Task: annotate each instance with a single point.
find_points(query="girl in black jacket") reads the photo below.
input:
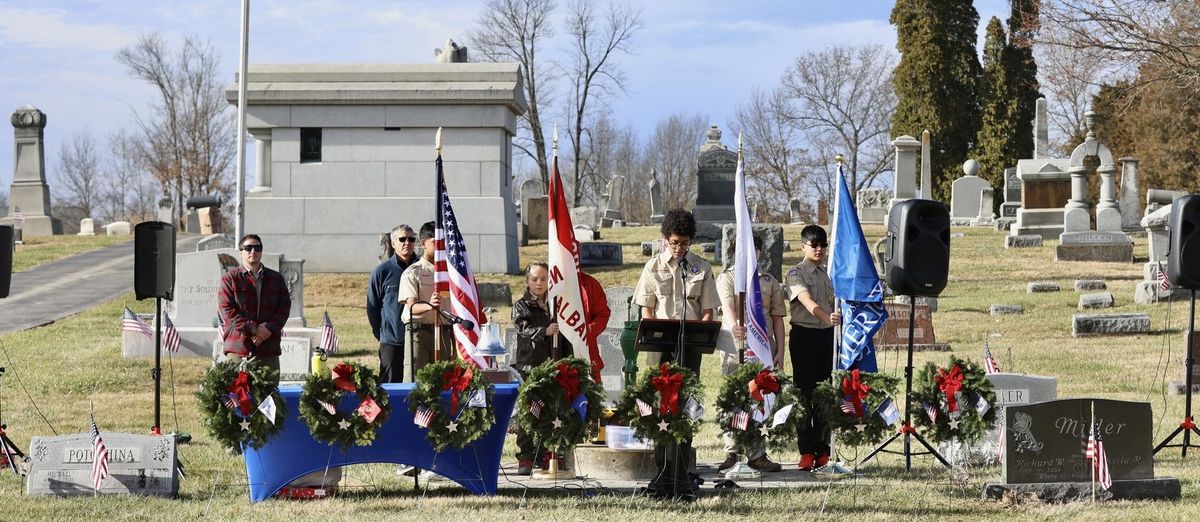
(532, 316)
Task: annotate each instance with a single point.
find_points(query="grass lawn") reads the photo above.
(66, 365)
(44, 249)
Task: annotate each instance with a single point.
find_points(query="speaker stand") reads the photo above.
(907, 429)
(156, 373)
(1186, 427)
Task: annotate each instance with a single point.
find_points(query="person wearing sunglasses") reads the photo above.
(420, 304)
(384, 308)
(255, 304)
(811, 343)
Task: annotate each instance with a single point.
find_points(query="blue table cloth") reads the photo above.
(293, 453)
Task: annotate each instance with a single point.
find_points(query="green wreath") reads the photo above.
(968, 382)
(230, 388)
(850, 428)
(323, 394)
(736, 397)
(443, 396)
(548, 400)
(676, 425)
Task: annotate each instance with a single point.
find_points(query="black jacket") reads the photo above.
(530, 320)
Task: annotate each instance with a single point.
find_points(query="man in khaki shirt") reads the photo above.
(663, 284)
(416, 292)
(774, 308)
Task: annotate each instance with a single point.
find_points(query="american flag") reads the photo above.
(453, 274)
(930, 410)
(130, 322)
(170, 335)
(18, 215)
(99, 457)
(989, 362)
(329, 337)
(1095, 451)
(423, 417)
(741, 420)
(643, 408)
(1163, 282)
(535, 408)
(848, 408)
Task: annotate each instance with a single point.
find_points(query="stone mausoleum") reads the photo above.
(346, 152)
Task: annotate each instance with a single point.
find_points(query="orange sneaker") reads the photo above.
(806, 461)
(822, 460)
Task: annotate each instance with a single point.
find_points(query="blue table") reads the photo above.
(293, 453)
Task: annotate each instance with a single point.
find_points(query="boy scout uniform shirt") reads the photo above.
(417, 282)
(772, 293)
(809, 277)
(659, 287)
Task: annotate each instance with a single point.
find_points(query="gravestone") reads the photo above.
(618, 305)
(118, 228)
(1006, 309)
(714, 180)
(166, 210)
(612, 376)
(494, 294)
(894, 334)
(612, 206)
(600, 254)
(986, 217)
(657, 210)
(1090, 285)
(292, 271)
(530, 188)
(771, 258)
(1128, 199)
(905, 186)
(965, 193)
(197, 281)
(1109, 324)
(1148, 290)
(137, 465)
(585, 233)
(822, 211)
(1078, 241)
(1038, 287)
(588, 215)
(795, 212)
(872, 205)
(29, 191)
(216, 241)
(1012, 389)
(926, 187)
(1012, 194)
(1113, 247)
(87, 227)
(654, 247)
(1044, 455)
(294, 358)
(537, 217)
(1023, 241)
(1096, 300)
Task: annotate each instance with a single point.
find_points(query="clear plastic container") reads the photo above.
(622, 438)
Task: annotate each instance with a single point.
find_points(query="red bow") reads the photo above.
(341, 378)
(763, 383)
(240, 388)
(668, 385)
(456, 380)
(950, 383)
(856, 391)
(568, 379)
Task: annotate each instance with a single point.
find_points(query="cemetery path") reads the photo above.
(49, 292)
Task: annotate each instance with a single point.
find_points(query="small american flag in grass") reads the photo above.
(990, 365)
(99, 457)
(535, 408)
(329, 337)
(171, 339)
(130, 322)
(423, 417)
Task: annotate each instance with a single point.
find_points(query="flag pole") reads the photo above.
(554, 314)
(739, 319)
(437, 311)
(837, 305)
(1095, 457)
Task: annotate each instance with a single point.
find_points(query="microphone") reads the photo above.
(454, 319)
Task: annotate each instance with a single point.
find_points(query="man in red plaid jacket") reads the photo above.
(255, 303)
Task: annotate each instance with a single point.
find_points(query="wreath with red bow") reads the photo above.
(345, 407)
(851, 405)
(454, 401)
(664, 405)
(229, 397)
(748, 403)
(559, 403)
(956, 402)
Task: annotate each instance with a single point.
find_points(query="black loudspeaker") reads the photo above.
(6, 255)
(154, 260)
(918, 248)
(1183, 256)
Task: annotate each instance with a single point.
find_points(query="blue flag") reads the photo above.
(856, 283)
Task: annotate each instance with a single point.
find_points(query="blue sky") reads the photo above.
(691, 56)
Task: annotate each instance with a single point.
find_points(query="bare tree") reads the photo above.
(1132, 32)
(594, 77)
(672, 151)
(80, 172)
(843, 96)
(771, 150)
(188, 141)
(513, 31)
(132, 192)
(1070, 76)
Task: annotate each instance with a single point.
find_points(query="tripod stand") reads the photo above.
(8, 450)
(1186, 427)
(907, 429)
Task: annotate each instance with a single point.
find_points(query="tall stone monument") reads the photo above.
(715, 184)
(1078, 241)
(657, 211)
(29, 192)
(1130, 210)
(905, 171)
(1044, 186)
(926, 188)
(612, 204)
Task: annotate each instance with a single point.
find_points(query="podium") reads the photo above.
(685, 342)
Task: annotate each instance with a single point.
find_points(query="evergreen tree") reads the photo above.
(1022, 73)
(937, 81)
(996, 143)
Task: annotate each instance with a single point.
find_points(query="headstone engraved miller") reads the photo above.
(1012, 389)
(1044, 451)
(137, 465)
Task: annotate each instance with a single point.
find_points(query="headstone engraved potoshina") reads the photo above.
(137, 465)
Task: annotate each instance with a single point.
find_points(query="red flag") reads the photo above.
(571, 310)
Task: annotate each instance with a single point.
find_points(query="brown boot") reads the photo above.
(730, 460)
(764, 464)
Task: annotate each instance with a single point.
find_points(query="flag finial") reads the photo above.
(555, 139)
(840, 159)
(739, 144)
(437, 141)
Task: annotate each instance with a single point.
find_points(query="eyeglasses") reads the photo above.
(252, 248)
(408, 239)
(818, 245)
(679, 244)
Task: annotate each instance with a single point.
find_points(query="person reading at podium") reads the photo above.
(533, 318)
(774, 308)
(811, 342)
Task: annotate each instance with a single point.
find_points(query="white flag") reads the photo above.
(478, 400)
(565, 293)
(745, 276)
(781, 416)
(267, 407)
